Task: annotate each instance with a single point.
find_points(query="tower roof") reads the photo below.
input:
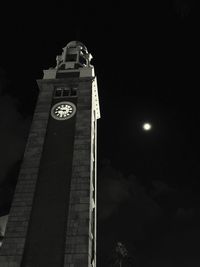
(74, 58)
(76, 44)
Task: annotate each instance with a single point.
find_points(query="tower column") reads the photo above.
(52, 221)
(78, 238)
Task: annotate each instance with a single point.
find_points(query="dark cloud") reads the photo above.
(116, 190)
(3, 80)
(13, 133)
(161, 188)
(187, 215)
(178, 247)
(157, 219)
(183, 8)
(125, 211)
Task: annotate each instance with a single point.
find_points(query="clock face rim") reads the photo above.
(63, 103)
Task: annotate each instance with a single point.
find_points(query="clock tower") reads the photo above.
(52, 221)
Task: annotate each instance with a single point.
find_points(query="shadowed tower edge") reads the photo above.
(52, 220)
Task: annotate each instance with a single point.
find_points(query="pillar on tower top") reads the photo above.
(75, 60)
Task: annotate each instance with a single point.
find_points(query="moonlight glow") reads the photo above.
(147, 126)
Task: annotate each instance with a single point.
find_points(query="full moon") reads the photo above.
(147, 126)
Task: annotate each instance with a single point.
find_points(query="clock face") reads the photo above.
(63, 110)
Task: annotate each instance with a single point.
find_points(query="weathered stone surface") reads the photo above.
(10, 261)
(78, 260)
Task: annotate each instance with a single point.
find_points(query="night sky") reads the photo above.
(146, 58)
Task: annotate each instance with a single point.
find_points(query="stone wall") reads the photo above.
(79, 236)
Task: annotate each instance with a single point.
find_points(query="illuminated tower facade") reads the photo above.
(52, 221)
